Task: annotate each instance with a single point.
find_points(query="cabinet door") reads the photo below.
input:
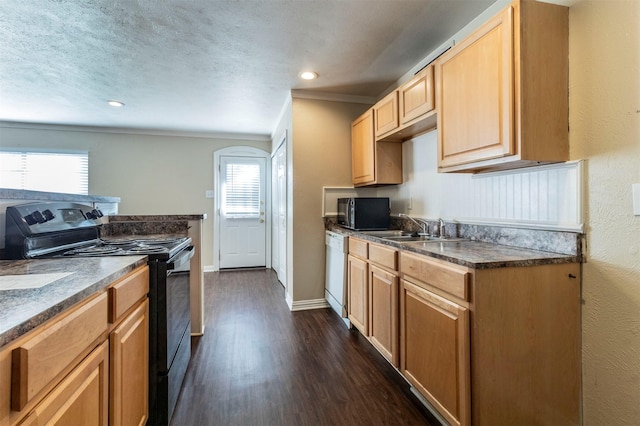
(476, 95)
(130, 369)
(363, 149)
(81, 398)
(383, 328)
(386, 114)
(435, 351)
(417, 96)
(358, 296)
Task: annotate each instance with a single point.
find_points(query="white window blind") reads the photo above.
(45, 171)
(242, 190)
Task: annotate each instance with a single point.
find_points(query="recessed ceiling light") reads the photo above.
(115, 103)
(308, 75)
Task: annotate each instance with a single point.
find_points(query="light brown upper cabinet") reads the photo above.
(407, 111)
(417, 96)
(373, 163)
(502, 92)
(386, 114)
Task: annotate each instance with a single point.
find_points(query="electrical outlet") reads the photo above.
(208, 193)
(410, 203)
(635, 188)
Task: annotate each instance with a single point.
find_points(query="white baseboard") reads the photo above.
(303, 305)
(208, 268)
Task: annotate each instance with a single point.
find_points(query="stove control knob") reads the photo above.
(94, 214)
(48, 215)
(30, 219)
(38, 217)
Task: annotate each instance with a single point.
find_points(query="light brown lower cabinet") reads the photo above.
(86, 366)
(384, 312)
(129, 376)
(498, 346)
(435, 350)
(358, 293)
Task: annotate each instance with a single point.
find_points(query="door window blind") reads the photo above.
(242, 190)
(45, 171)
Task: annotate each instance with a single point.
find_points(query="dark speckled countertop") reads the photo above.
(22, 310)
(472, 253)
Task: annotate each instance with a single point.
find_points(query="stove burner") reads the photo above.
(154, 241)
(143, 241)
(94, 251)
(143, 248)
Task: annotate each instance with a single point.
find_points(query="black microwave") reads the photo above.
(364, 213)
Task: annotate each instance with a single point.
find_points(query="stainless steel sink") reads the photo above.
(431, 240)
(408, 237)
(400, 236)
(387, 233)
(421, 238)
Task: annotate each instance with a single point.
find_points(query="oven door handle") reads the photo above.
(176, 264)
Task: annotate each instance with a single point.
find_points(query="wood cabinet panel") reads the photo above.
(383, 304)
(129, 376)
(435, 351)
(40, 359)
(386, 114)
(358, 248)
(445, 276)
(384, 256)
(358, 293)
(373, 163)
(417, 96)
(491, 100)
(124, 294)
(527, 330)
(363, 149)
(81, 398)
(476, 100)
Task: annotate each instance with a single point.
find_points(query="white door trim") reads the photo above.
(239, 151)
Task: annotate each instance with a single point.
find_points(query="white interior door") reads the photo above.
(242, 212)
(279, 216)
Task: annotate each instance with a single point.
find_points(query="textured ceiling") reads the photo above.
(215, 66)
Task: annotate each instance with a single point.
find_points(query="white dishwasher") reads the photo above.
(335, 284)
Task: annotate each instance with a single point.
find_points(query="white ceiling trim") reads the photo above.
(334, 97)
(133, 131)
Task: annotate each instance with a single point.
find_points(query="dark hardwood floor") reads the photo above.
(260, 364)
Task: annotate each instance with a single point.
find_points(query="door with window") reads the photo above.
(242, 212)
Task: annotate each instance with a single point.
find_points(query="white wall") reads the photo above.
(152, 174)
(604, 92)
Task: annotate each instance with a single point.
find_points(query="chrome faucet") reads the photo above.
(422, 223)
(441, 229)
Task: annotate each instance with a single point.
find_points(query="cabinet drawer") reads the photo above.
(127, 292)
(442, 275)
(358, 248)
(383, 256)
(40, 359)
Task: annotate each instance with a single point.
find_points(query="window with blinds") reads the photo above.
(241, 190)
(66, 172)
